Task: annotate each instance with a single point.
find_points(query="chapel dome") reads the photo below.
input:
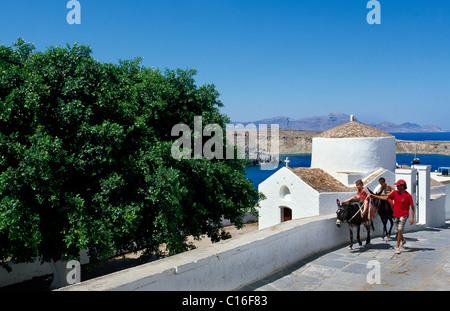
(353, 148)
(353, 129)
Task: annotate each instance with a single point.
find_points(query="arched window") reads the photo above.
(285, 193)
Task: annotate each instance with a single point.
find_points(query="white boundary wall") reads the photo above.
(26, 271)
(232, 263)
(445, 188)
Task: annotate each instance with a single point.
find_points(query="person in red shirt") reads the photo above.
(402, 202)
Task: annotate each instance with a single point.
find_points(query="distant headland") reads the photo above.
(323, 123)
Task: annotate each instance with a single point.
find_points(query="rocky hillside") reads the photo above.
(406, 128)
(423, 147)
(296, 142)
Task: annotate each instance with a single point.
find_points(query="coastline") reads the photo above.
(423, 147)
(300, 142)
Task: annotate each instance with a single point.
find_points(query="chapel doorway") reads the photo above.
(286, 214)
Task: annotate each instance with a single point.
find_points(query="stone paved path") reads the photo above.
(424, 264)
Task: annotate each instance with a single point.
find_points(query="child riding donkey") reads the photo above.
(352, 213)
(362, 197)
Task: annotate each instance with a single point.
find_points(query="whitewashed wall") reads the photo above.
(445, 188)
(26, 271)
(232, 263)
(302, 200)
(436, 211)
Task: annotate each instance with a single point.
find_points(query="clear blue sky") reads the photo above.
(270, 58)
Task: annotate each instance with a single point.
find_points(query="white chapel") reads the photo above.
(340, 156)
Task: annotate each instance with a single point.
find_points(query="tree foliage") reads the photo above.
(85, 158)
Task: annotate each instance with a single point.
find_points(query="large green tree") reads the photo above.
(85, 158)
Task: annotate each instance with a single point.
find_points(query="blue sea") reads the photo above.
(256, 175)
(441, 136)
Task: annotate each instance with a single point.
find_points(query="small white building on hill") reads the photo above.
(340, 156)
(353, 151)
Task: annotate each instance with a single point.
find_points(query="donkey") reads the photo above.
(351, 213)
(385, 211)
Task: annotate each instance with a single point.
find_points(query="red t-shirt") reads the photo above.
(402, 202)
